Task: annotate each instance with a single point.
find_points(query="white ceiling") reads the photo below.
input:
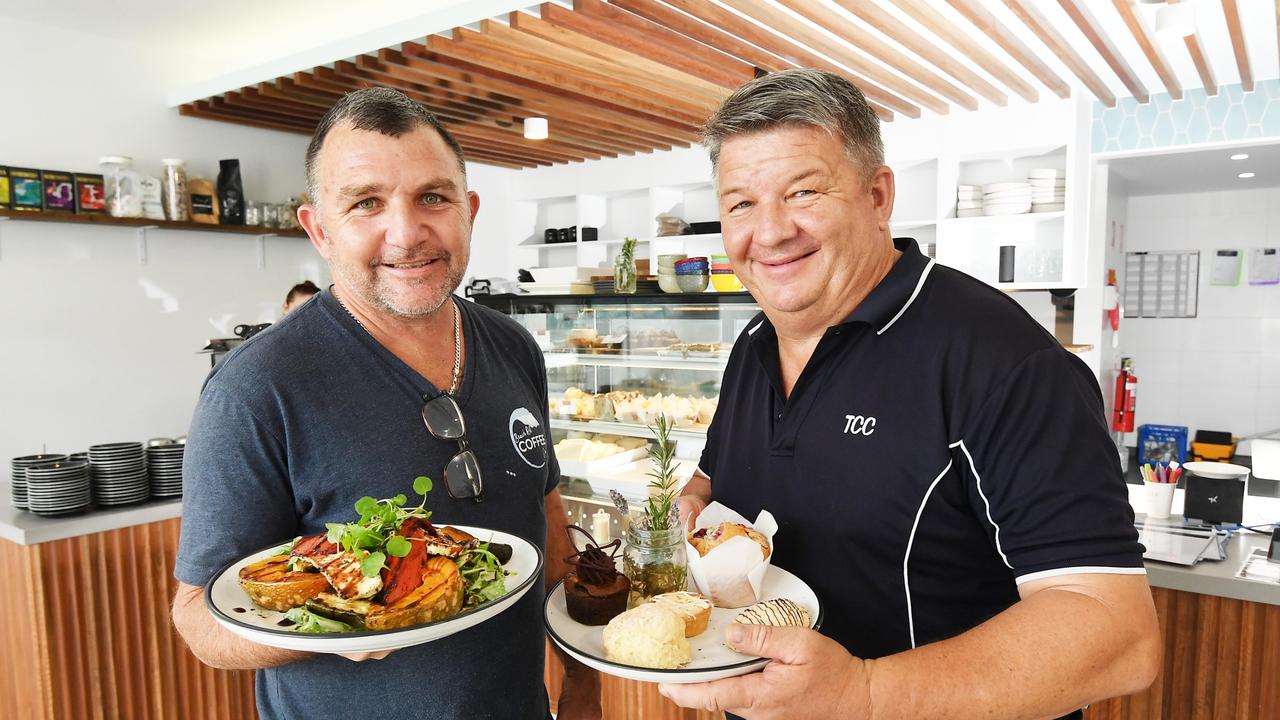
(1199, 170)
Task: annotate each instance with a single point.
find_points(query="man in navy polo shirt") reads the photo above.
(938, 465)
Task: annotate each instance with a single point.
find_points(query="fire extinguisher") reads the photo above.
(1126, 398)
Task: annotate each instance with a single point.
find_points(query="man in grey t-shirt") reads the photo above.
(326, 407)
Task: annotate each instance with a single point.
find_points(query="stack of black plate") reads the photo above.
(58, 488)
(119, 473)
(164, 465)
(643, 285)
(18, 475)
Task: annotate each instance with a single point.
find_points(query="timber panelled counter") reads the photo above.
(86, 633)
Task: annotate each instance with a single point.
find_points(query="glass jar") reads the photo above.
(174, 190)
(654, 561)
(124, 198)
(624, 275)
(269, 216)
(252, 213)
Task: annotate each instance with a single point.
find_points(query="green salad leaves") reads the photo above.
(305, 621)
(373, 537)
(482, 576)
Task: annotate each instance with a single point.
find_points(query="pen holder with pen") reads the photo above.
(1159, 498)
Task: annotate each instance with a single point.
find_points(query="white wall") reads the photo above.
(94, 346)
(1221, 369)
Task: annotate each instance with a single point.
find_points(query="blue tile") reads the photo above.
(1144, 142)
(1112, 145)
(1254, 104)
(1217, 135)
(1217, 106)
(1098, 109)
(1271, 120)
(1099, 137)
(1128, 105)
(1181, 138)
(1111, 122)
(1146, 118)
(1180, 113)
(1198, 128)
(1253, 131)
(1234, 124)
(1128, 136)
(1195, 96)
(1162, 101)
(1234, 93)
(1162, 134)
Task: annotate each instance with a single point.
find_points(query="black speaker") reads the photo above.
(1214, 500)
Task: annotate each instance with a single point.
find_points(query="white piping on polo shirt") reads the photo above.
(978, 486)
(906, 582)
(753, 330)
(1082, 570)
(924, 274)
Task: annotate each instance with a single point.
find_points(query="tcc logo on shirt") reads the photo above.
(859, 425)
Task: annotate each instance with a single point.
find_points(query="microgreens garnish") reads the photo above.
(373, 537)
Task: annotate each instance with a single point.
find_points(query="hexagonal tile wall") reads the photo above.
(1232, 114)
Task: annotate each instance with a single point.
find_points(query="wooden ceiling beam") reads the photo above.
(220, 106)
(490, 158)
(250, 97)
(895, 29)
(474, 127)
(1232, 10)
(828, 19)
(1198, 59)
(582, 51)
(635, 34)
(842, 54)
(482, 54)
(981, 18)
(538, 98)
(935, 23)
(277, 89)
(884, 101)
(201, 109)
(673, 19)
(1058, 45)
(1088, 25)
(1158, 63)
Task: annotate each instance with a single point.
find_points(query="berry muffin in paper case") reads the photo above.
(728, 564)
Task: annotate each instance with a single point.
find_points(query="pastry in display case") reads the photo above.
(615, 363)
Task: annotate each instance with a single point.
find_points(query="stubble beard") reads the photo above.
(380, 294)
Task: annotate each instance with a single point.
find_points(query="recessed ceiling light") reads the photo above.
(1245, 176)
(535, 128)
(1240, 156)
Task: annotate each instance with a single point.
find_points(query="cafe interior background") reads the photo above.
(1160, 245)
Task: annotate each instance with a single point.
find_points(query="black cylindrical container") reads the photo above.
(1006, 263)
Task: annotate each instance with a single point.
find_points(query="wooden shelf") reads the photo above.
(145, 222)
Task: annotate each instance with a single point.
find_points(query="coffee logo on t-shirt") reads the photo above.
(528, 438)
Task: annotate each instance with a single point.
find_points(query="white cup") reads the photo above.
(1159, 498)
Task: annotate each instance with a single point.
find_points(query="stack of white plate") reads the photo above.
(968, 201)
(1048, 189)
(119, 473)
(164, 466)
(1006, 198)
(58, 488)
(18, 475)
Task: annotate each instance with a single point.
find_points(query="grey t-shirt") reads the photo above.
(308, 416)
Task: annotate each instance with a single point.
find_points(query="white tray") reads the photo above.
(574, 468)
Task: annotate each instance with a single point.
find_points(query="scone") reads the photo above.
(692, 608)
(779, 612)
(647, 635)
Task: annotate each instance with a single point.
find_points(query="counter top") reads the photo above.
(24, 528)
(1218, 577)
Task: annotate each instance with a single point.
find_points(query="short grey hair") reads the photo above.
(800, 97)
(376, 109)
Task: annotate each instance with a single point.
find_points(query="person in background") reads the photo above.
(328, 405)
(938, 464)
(299, 294)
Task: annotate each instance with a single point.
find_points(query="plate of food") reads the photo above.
(389, 580)
(675, 637)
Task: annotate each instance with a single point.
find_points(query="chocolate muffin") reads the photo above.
(595, 592)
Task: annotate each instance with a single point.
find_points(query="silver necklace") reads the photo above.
(457, 337)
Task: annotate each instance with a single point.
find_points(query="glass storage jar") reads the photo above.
(624, 275)
(124, 197)
(654, 561)
(174, 189)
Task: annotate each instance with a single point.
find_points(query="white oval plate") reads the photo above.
(232, 608)
(1218, 470)
(712, 659)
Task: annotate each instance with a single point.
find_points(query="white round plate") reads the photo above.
(1221, 471)
(235, 611)
(712, 659)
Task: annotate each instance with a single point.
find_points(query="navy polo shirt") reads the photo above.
(939, 448)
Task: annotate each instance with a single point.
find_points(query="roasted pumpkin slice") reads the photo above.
(438, 597)
(270, 583)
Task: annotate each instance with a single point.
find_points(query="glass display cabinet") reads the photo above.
(614, 362)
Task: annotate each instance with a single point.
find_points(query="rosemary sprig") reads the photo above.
(658, 513)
